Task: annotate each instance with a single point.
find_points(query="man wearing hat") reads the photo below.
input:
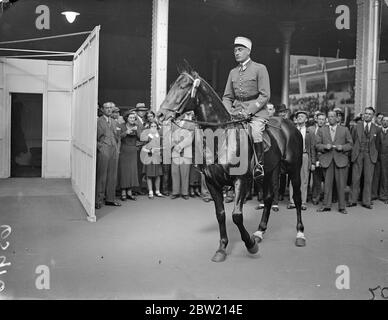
(282, 111)
(106, 174)
(340, 115)
(317, 174)
(308, 160)
(141, 111)
(246, 94)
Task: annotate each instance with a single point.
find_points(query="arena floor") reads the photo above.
(161, 249)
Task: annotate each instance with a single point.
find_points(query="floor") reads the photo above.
(161, 249)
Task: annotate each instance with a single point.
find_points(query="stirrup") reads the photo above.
(258, 172)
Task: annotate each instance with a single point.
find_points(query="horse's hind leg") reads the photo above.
(297, 197)
(268, 195)
(241, 186)
(218, 198)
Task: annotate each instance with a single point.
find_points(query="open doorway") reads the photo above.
(26, 134)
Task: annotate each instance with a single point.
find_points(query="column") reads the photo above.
(286, 28)
(367, 54)
(159, 52)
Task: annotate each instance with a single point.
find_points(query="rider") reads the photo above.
(247, 92)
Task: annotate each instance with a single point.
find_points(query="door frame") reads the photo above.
(9, 129)
(8, 104)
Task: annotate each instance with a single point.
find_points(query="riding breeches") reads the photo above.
(257, 126)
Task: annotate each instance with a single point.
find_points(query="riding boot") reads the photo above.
(258, 170)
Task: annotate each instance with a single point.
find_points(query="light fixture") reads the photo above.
(70, 15)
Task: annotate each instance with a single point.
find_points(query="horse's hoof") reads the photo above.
(219, 256)
(258, 236)
(255, 247)
(300, 242)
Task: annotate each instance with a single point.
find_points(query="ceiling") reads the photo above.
(196, 29)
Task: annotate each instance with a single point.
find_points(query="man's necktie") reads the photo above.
(332, 133)
(366, 129)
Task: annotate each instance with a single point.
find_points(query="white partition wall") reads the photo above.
(52, 79)
(3, 129)
(84, 122)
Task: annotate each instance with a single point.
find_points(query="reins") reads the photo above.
(196, 83)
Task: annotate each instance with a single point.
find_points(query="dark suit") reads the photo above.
(106, 175)
(318, 175)
(383, 155)
(334, 162)
(309, 158)
(364, 158)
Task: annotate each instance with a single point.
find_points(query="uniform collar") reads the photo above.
(244, 65)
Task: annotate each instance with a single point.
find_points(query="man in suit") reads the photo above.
(282, 112)
(366, 139)
(182, 154)
(247, 92)
(317, 174)
(383, 154)
(141, 110)
(333, 142)
(106, 175)
(308, 162)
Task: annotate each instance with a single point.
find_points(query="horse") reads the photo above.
(190, 92)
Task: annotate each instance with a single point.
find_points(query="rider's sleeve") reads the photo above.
(264, 89)
(228, 97)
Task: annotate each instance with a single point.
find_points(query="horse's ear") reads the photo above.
(180, 68)
(187, 66)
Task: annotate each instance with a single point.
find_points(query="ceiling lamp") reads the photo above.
(70, 15)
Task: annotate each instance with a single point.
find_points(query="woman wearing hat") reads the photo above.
(128, 171)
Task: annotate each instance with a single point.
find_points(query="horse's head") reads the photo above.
(180, 97)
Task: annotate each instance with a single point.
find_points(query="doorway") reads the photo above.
(26, 134)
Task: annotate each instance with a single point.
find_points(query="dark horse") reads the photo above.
(192, 93)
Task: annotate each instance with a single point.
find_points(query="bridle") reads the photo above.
(192, 93)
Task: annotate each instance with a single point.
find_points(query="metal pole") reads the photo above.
(375, 52)
(287, 28)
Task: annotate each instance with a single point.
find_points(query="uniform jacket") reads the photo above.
(374, 141)
(342, 137)
(241, 84)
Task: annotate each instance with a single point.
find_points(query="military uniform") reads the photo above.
(247, 91)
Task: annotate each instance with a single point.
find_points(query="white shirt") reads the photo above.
(367, 124)
(333, 130)
(385, 130)
(107, 119)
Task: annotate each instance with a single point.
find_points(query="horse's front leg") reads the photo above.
(218, 198)
(297, 197)
(241, 189)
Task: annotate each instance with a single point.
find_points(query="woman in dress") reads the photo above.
(128, 174)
